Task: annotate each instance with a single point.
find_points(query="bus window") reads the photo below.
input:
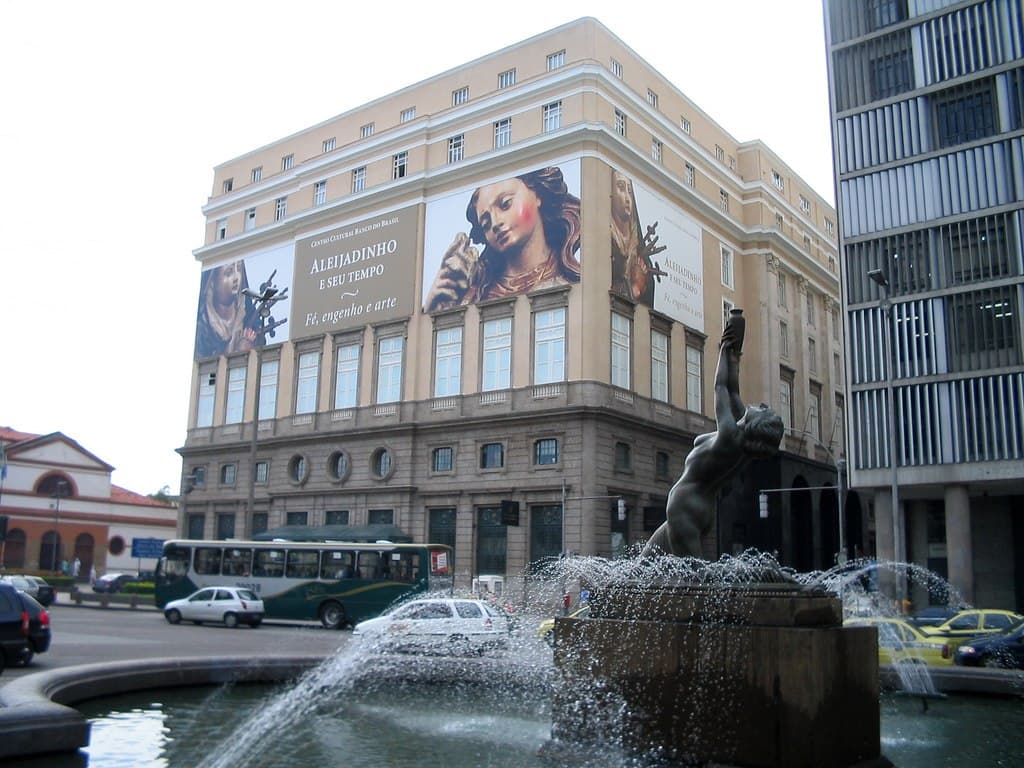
(405, 566)
(174, 564)
(301, 564)
(207, 560)
(337, 565)
(268, 562)
(369, 565)
(237, 562)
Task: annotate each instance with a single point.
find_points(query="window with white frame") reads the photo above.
(268, 389)
(732, 163)
(236, 395)
(556, 60)
(320, 193)
(330, 144)
(346, 376)
(814, 412)
(287, 162)
(805, 204)
(399, 165)
(620, 122)
(723, 200)
(652, 98)
(442, 459)
(659, 365)
(786, 399)
(777, 181)
(690, 175)
(549, 346)
(306, 383)
(727, 308)
(448, 362)
(250, 219)
(497, 362)
(616, 68)
(552, 116)
(207, 391)
(460, 96)
(684, 124)
(719, 154)
(456, 147)
(227, 186)
(256, 174)
(812, 355)
(783, 338)
(778, 220)
(507, 78)
(365, 131)
(280, 208)
(835, 323)
(503, 133)
(492, 455)
(359, 179)
(227, 474)
(262, 472)
(622, 331)
(656, 150)
(727, 271)
(389, 369)
(222, 228)
(408, 115)
(832, 264)
(694, 379)
(830, 227)
(545, 451)
(782, 289)
(807, 243)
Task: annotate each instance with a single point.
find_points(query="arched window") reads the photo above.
(14, 550)
(50, 552)
(84, 546)
(56, 484)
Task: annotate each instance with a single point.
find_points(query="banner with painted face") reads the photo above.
(656, 253)
(502, 238)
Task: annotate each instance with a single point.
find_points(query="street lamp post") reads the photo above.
(58, 492)
(885, 304)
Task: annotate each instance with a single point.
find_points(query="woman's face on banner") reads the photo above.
(622, 197)
(228, 282)
(508, 213)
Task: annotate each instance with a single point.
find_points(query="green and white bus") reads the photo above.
(334, 582)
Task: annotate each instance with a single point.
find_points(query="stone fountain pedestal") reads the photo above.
(758, 675)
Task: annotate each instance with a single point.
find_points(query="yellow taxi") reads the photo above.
(900, 642)
(972, 623)
(546, 629)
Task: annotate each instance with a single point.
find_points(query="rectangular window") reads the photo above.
(727, 267)
(616, 68)
(296, 518)
(222, 228)
(659, 366)
(308, 378)
(389, 369)
(694, 379)
(814, 413)
(965, 113)
(782, 289)
(257, 174)
(225, 526)
(656, 150)
(719, 154)
(778, 220)
(507, 78)
(442, 459)
(448, 362)
(835, 323)
(329, 144)
(456, 147)
(830, 227)
(287, 162)
(684, 124)
(399, 165)
(812, 356)
(723, 200)
(623, 457)
(262, 472)
(268, 389)
(556, 60)
(460, 96)
(346, 377)
(805, 204)
(503, 133)
(690, 175)
(620, 123)
(552, 120)
(207, 390)
(786, 400)
(336, 517)
(837, 369)
(777, 181)
(280, 208)
(549, 346)
(250, 219)
(228, 185)
(497, 373)
(320, 193)
(545, 451)
(492, 456)
(622, 331)
(783, 338)
(807, 243)
(227, 474)
(236, 395)
(359, 179)
(408, 115)
(811, 314)
(652, 98)
(366, 131)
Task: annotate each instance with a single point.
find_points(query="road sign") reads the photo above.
(147, 547)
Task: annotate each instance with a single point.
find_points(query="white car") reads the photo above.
(454, 625)
(231, 605)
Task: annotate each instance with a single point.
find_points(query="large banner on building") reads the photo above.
(355, 275)
(227, 320)
(502, 238)
(656, 253)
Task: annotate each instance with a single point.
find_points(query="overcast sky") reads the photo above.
(115, 114)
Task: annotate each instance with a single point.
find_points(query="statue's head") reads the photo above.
(762, 430)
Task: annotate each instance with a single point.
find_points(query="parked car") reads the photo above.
(24, 626)
(230, 605)
(36, 586)
(112, 582)
(546, 629)
(933, 615)
(1001, 649)
(450, 624)
(972, 623)
(900, 642)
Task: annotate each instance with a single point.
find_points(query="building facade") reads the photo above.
(503, 292)
(927, 98)
(59, 505)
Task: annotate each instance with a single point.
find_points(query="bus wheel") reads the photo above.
(332, 615)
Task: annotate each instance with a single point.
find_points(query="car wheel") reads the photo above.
(173, 616)
(255, 623)
(27, 656)
(332, 615)
(458, 645)
(230, 620)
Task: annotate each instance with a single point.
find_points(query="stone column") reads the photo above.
(959, 547)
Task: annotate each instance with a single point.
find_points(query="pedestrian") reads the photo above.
(92, 575)
(566, 603)
(64, 567)
(76, 567)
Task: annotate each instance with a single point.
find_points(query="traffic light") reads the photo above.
(763, 502)
(622, 509)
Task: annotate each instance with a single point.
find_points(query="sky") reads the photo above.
(115, 114)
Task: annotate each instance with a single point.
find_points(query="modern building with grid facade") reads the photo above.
(927, 98)
(506, 284)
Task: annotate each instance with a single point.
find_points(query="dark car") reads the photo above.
(112, 582)
(38, 627)
(24, 627)
(933, 616)
(1003, 649)
(35, 586)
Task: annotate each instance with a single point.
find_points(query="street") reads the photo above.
(90, 634)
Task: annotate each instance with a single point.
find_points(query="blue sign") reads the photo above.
(147, 547)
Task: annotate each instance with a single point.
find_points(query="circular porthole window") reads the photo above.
(116, 545)
(298, 469)
(381, 463)
(338, 466)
